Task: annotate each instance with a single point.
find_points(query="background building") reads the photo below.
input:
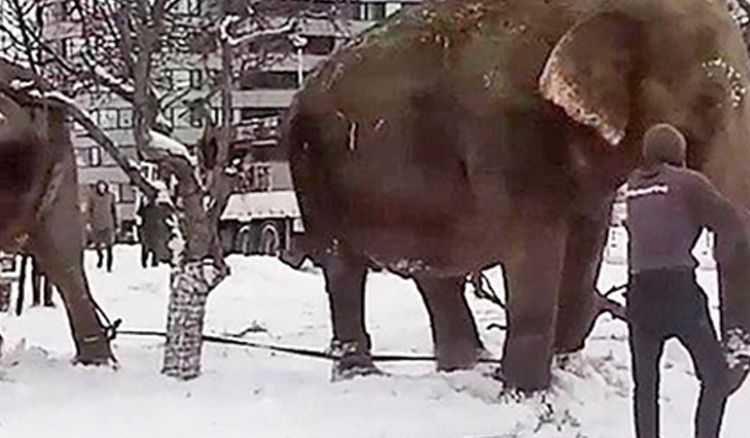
(260, 98)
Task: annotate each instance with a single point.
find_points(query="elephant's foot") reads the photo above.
(526, 362)
(457, 344)
(95, 351)
(574, 327)
(459, 356)
(572, 337)
(454, 332)
(351, 359)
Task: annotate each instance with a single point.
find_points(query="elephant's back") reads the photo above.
(485, 52)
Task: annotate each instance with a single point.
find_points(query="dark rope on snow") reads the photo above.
(615, 289)
(295, 351)
(496, 326)
(483, 289)
(478, 280)
(110, 328)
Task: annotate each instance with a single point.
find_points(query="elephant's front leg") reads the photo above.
(345, 283)
(533, 270)
(454, 332)
(577, 308)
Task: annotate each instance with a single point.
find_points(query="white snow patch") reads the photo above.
(255, 393)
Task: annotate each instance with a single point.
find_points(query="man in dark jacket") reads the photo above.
(668, 207)
(102, 220)
(153, 233)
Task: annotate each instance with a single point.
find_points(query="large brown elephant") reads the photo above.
(39, 207)
(457, 135)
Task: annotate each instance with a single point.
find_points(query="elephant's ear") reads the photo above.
(588, 74)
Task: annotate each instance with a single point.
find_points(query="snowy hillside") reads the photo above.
(251, 393)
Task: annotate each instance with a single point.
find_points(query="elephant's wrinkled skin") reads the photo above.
(457, 135)
(39, 210)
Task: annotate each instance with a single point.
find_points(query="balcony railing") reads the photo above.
(260, 131)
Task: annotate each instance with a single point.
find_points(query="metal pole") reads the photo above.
(300, 67)
(299, 43)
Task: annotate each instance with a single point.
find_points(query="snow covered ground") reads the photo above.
(251, 393)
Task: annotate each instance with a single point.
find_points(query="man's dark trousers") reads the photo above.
(669, 303)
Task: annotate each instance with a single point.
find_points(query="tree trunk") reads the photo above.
(190, 286)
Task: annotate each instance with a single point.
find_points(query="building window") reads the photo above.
(319, 45)
(108, 118)
(250, 113)
(82, 157)
(270, 80)
(70, 47)
(96, 156)
(64, 47)
(88, 156)
(190, 7)
(180, 78)
(255, 177)
(113, 118)
(371, 11)
(216, 115)
(196, 79)
(125, 118)
(127, 193)
(262, 177)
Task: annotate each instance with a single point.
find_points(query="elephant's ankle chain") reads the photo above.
(339, 349)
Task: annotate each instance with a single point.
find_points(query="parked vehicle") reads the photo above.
(260, 222)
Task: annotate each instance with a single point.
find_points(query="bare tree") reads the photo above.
(125, 47)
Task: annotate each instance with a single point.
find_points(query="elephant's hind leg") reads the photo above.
(454, 332)
(58, 246)
(533, 270)
(345, 283)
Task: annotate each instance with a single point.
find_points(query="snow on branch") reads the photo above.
(163, 145)
(225, 36)
(112, 81)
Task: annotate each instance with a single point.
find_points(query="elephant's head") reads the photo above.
(631, 64)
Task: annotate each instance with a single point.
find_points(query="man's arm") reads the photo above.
(731, 253)
(714, 211)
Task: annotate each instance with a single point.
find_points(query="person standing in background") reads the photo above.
(153, 233)
(102, 220)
